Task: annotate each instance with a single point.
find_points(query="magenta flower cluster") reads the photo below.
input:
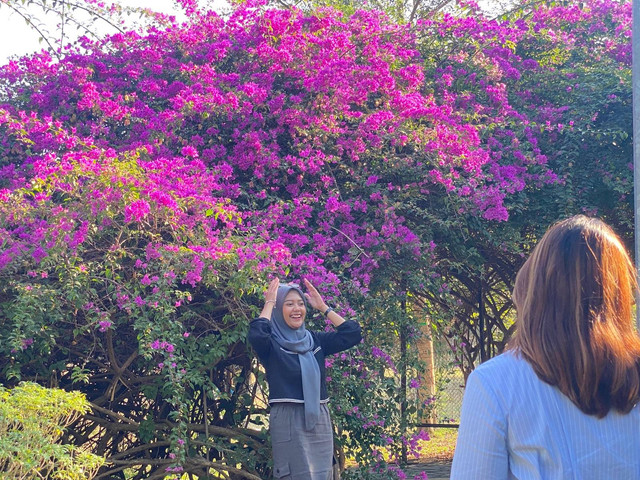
(275, 106)
(309, 99)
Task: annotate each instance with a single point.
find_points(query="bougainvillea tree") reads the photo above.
(566, 76)
(150, 183)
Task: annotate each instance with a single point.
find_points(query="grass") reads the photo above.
(441, 446)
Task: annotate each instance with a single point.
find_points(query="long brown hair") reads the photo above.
(574, 299)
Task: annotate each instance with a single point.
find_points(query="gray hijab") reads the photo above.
(301, 342)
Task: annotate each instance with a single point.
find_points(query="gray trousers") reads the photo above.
(299, 454)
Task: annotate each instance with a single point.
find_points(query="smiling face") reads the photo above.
(293, 310)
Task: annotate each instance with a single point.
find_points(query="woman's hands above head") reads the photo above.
(314, 298)
(270, 298)
(272, 290)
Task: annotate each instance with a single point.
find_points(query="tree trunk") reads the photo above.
(427, 390)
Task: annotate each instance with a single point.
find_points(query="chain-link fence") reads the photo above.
(449, 387)
(441, 385)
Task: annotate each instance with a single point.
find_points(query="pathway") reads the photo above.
(435, 470)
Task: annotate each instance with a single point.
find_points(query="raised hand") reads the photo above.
(313, 297)
(270, 298)
(272, 290)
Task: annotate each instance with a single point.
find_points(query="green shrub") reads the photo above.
(32, 420)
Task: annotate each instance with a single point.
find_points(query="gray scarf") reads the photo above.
(301, 342)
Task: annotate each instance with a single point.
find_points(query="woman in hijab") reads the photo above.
(562, 402)
(293, 357)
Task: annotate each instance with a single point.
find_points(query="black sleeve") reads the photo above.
(260, 337)
(346, 336)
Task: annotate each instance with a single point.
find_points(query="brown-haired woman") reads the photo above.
(562, 402)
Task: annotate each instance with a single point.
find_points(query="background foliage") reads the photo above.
(32, 421)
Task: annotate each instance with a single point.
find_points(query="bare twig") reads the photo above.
(32, 25)
(113, 414)
(352, 241)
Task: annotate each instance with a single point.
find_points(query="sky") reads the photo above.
(17, 38)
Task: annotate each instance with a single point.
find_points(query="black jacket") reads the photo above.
(283, 366)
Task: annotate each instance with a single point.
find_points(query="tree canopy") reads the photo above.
(151, 182)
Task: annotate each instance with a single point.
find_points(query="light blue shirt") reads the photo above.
(515, 426)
